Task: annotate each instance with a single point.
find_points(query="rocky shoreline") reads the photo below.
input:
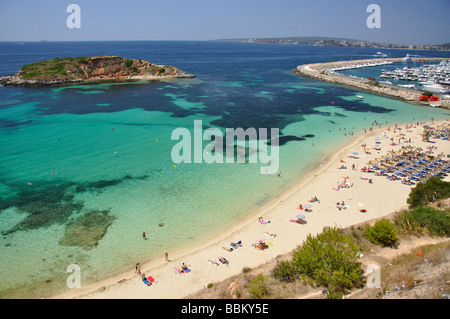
(318, 71)
(14, 80)
(63, 71)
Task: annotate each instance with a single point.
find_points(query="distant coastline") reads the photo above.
(318, 71)
(339, 42)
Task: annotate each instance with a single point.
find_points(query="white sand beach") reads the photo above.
(379, 198)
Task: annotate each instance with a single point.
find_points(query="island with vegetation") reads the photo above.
(67, 70)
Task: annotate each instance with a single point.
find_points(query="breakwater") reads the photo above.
(323, 72)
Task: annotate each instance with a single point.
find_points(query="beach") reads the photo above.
(365, 196)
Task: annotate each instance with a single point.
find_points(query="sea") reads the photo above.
(85, 169)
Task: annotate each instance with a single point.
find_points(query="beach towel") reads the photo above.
(146, 281)
(152, 280)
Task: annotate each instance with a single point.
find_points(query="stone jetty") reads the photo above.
(321, 71)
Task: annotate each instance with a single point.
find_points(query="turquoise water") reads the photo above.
(68, 151)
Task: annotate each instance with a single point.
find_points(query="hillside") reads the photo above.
(339, 42)
(95, 68)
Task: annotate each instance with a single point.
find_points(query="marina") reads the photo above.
(429, 77)
(432, 75)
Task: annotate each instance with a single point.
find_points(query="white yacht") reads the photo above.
(435, 88)
(381, 55)
(408, 86)
(407, 58)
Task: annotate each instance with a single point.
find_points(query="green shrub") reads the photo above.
(258, 288)
(79, 69)
(285, 271)
(330, 260)
(383, 233)
(436, 222)
(161, 70)
(128, 63)
(83, 60)
(31, 74)
(246, 270)
(434, 189)
(334, 295)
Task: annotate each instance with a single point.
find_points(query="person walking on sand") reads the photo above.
(166, 254)
(138, 269)
(144, 236)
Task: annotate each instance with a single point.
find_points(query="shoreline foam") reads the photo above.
(319, 182)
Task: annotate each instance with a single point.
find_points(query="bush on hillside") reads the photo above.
(434, 221)
(258, 287)
(434, 189)
(383, 233)
(329, 259)
(285, 271)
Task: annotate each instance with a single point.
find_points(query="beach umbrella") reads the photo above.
(361, 204)
(300, 216)
(260, 239)
(307, 206)
(354, 153)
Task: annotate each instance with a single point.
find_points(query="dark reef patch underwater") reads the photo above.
(49, 204)
(87, 229)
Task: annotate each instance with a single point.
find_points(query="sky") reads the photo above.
(401, 21)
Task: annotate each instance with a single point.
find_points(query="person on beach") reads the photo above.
(270, 235)
(166, 255)
(144, 236)
(138, 269)
(213, 262)
(314, 199)
(223, 260)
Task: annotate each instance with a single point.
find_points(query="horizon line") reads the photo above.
(229, 39)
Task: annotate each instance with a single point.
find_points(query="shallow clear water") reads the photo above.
(67, 151)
